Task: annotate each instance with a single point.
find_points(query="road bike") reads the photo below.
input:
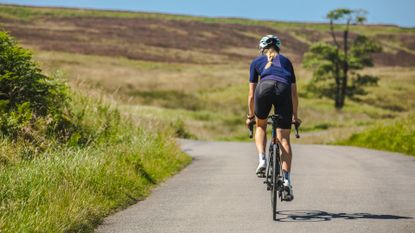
(273, 173)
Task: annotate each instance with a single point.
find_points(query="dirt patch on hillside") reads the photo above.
(145, 39)
(170, 40)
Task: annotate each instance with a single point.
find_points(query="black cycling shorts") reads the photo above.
(270, 92)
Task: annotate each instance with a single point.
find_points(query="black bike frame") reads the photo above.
(273, 179)
(274, 153)
(275, 164)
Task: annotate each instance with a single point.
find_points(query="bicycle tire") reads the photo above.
(274, 181)
(268, 171)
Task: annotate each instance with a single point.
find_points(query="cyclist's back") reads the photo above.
(280, 70)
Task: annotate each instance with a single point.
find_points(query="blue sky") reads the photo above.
(399, 12)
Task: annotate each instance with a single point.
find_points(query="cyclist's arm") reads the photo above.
(252, 87)
(253, 80)
(294, 94)
(294, 97)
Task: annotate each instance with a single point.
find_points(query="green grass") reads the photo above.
(398, 136)
(68, 188)
(211, 100)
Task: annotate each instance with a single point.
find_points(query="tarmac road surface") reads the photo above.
(336, 189)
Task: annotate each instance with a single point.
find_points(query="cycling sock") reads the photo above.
(287, 176)
(261, 156)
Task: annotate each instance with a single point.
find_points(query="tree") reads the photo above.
(335, 64)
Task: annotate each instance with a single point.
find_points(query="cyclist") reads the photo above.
(277, 86)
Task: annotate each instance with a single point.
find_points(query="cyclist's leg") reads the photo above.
(284, 108)
(260, 141)
(260, 135)
(262, 102)
(283, 136)
(286, 156)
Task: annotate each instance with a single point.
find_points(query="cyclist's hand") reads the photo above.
(296, 120)
(249, 122)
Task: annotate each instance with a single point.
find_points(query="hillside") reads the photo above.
(169, 38)
(191, 72)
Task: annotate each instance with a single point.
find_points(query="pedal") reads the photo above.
(286, 196)
(260, 174)
(268, 185)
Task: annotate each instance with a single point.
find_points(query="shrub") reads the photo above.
(21, 82)
(398, 136)
(30, 101)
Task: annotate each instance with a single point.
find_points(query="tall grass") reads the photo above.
(69, 188)
(398, 135)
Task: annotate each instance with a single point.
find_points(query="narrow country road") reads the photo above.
(337, 189)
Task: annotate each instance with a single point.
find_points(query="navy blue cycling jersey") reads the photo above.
(281, 70)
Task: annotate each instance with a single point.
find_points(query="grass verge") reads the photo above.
(397, 136)
(67, 188)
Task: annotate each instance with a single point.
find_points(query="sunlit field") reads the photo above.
(210, 100)
(197, 79)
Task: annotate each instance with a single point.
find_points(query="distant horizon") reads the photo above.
(143, 9)
(192, 15)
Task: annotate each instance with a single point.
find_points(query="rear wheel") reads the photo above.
(274, 181)
(268, 172)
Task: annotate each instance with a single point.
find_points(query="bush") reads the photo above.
(21, 82)
(398, 136)
(29, 100)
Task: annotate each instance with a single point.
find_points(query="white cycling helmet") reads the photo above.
(269, 40)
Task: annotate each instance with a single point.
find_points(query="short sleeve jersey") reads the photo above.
(281, 70)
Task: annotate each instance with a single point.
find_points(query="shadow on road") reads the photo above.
(319, 216)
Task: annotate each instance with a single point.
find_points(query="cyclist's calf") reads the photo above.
(261, 135)
(284, 138)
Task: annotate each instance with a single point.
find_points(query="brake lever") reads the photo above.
(251, 130)
(296, 126)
